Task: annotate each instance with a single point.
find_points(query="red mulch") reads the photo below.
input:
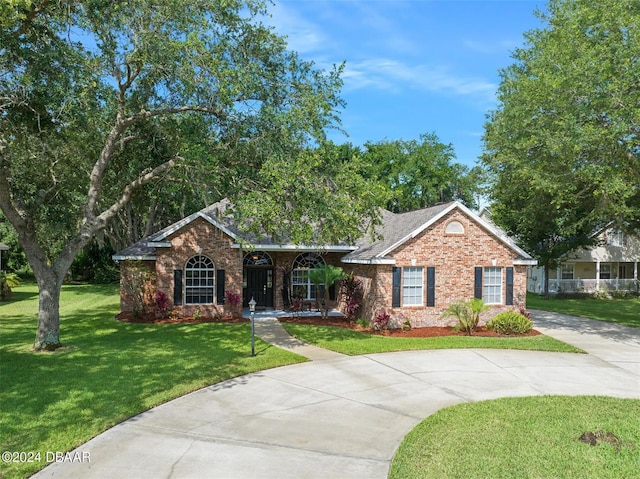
(427, 332)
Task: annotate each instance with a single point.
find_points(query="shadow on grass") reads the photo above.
(17, 296)
(108, 371)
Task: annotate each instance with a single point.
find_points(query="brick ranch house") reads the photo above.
(426, 260)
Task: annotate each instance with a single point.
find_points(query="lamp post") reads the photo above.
(252, 308)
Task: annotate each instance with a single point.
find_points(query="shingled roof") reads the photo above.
(220, 215)
(396, 229)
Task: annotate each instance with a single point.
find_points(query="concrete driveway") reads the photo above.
(344, 417)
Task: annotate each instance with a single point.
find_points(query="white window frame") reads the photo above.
(413, 286)
(608, 272)
(300, 276)
(615, 238)
(199, 280)
(567, 271)
(492, 285)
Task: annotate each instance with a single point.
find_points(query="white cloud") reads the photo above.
(393, 75)
(303, 36)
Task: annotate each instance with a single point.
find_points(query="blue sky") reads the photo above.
(412, 66)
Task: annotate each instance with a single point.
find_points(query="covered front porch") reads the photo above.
(280, 313)
(591, 277)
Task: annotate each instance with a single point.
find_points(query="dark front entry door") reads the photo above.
(259, 285)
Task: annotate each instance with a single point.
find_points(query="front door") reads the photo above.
(259, 286)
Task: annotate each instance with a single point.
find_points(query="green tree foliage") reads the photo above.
(563, 147)
(110, 111)
(421, 172)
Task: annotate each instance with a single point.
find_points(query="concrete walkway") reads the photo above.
(340, 416)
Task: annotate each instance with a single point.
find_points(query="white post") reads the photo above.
(598, 275)
(635, 270)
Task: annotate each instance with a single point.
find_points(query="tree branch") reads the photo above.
(128, 190)
(31, 15)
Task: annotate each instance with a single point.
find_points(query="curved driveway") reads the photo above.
(344, 417)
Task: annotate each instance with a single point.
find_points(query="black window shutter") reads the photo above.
(332, 292)
(177, 287)
(395, 292)
(509, 294)
(220, 286)
(477, 283)
(431, 286)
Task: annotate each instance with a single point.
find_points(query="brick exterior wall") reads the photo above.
(202, 238)
(454, 257)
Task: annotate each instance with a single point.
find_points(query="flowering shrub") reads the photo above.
(381, 321)
(232, 298)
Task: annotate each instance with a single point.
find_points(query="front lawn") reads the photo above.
(533, 437)
(348, 341)
(107, 372)
(622, 311)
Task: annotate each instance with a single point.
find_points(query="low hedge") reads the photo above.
(510, 322)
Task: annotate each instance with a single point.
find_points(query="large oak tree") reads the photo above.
(563, 147)
(99, 100)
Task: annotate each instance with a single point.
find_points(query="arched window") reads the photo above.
(199, 273)
(302, 285)
(257, 258)
(455, 228)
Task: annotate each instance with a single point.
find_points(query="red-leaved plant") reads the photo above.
(162, 302)
(381, 321)
(232, 298)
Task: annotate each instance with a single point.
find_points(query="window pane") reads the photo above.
(412, 286)
(492, 286)
(199, 284)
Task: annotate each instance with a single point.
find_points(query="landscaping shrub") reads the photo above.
(363, 323)
(467, 313)
(7, 281)
(351, 290)
(381, 321)
(510, 322)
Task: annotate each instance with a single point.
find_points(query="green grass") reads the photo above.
(534, 437)
(622, 311)
(347, 341)
(108, 371)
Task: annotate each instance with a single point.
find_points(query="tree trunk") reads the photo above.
(48, 332)
(546, 280)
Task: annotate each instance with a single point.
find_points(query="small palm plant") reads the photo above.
(7, 281)
(323, 277)
(467, 313)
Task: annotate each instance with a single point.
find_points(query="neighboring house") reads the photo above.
(426, 260)
(611, 265)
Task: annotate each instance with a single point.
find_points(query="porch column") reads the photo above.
(598, 275)
(635, 270)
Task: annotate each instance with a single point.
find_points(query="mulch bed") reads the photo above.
(427, 332)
